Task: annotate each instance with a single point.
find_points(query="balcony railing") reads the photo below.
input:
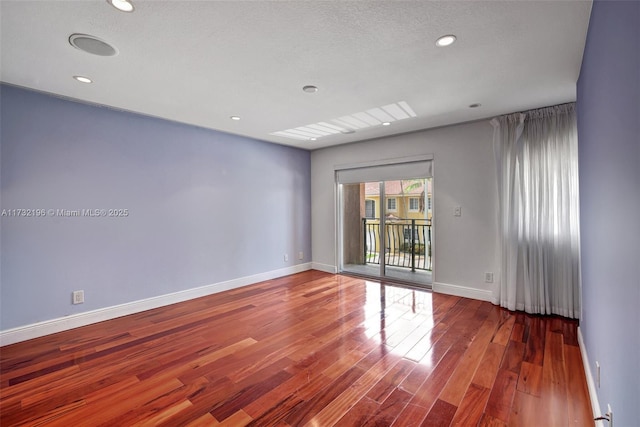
(407, 242)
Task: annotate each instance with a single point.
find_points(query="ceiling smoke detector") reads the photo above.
(310, 89)
(92, 45)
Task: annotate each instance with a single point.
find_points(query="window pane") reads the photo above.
(370, 208)
(391, 204)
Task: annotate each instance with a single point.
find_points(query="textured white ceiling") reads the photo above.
(200, 62)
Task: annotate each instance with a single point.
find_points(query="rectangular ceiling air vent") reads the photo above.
(350, 123)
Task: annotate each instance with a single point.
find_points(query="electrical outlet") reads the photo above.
(77, 297)
(488, 277)
(286, 257)
(300, 255)
(457, 211)
(597, 374)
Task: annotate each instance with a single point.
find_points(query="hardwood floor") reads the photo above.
(309, 349)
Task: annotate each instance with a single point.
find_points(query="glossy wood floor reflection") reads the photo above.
(309, 349)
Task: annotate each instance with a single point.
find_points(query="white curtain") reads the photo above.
(539, 242)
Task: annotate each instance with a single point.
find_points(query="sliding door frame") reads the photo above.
(338, 194)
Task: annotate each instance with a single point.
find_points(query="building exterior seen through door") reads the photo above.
(386, 229)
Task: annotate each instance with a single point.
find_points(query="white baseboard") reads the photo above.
(324, 267)
(591, 385)
(35, 330)
(463, 291)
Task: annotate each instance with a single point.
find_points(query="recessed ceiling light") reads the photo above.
(313, 139)
(445, 40)
(236, 118)
(474, 105)
(386, 124)
(83, 79)
(310, 89)
(122, 5)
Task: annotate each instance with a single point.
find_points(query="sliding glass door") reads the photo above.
(385, 226)
(407, 230)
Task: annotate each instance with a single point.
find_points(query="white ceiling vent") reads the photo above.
(351, 123)
(92, 45)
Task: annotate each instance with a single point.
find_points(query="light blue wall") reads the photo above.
(204, 206)
(609, 150)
